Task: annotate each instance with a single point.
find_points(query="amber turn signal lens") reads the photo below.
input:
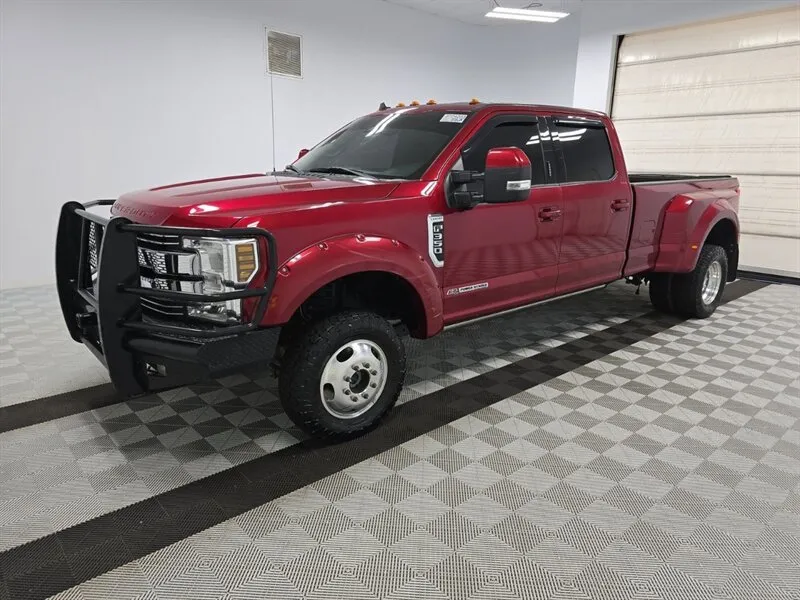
(245, 261)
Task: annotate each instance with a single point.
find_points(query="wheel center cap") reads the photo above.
(359, 381)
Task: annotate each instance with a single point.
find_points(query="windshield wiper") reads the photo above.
(341, 171)
(292, 168)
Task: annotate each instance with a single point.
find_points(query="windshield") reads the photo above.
(400, 145)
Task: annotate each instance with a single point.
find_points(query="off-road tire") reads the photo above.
(660, 288)
(688, 288)
(305, 360)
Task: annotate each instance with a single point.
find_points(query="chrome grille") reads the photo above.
(163, 308)
(164, 265)
(95, 239)
(162, 255)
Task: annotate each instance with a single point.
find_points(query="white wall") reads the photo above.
(602, 21)
(98, 97)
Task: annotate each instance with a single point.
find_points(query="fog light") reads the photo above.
(219, 312)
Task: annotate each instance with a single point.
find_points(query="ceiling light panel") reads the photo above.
(526, 14)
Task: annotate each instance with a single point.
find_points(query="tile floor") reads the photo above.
(587, 449)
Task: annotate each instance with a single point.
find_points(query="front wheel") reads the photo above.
(342, 374)
(697, 294)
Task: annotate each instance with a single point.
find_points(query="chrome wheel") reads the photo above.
(711, 283)
(353, 379)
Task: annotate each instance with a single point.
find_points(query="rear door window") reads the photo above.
(586, 150)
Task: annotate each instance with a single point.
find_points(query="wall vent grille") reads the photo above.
(284, 54)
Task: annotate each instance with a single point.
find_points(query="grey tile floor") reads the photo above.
(66, 471)
(37, 356)
(669, 468)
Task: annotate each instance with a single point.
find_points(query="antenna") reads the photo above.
(272, 117)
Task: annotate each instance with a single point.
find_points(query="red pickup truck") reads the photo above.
(406, 220)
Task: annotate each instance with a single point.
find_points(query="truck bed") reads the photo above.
(652, 194)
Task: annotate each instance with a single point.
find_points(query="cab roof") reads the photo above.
(471, 107)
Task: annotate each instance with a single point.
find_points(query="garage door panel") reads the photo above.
(770, 254)
(768, 205)
(760, 144)
(759, 81)
(722, 97)
(751, 31)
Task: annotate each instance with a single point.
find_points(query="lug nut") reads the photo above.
(373, 385)
(346, 392)
(365, 396)
(354, 398)
(346, 378)
(366, 365)
(355, 367)
(373, 372)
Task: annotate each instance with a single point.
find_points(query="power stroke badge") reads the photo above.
(436, 239)
(465, 289)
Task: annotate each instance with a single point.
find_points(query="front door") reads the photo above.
(504, 255)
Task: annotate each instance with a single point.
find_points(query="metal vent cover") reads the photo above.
(284, 54)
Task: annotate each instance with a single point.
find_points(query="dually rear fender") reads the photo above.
(689, 220)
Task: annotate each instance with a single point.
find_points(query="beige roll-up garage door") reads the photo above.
(722, 97)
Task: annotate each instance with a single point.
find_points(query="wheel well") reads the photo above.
(724, 234)
(383, 293)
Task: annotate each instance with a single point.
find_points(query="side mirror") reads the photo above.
(507, 177)
(302, 153)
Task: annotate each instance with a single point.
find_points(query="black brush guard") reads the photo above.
(105, 314)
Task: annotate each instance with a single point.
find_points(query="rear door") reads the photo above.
(503, 255)
(597, 205)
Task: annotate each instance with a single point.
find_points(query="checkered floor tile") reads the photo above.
(75, 468)
(667, 469)
(37, 356)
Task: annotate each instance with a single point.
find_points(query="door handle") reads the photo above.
(618, 205)
(549, 214)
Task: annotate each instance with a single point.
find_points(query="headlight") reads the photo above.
(225, 265)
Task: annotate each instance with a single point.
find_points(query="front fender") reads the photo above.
(688, 221)
(320, 264)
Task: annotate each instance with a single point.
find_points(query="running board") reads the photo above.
(523, 307)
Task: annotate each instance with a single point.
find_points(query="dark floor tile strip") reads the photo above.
(74, 555)
(770, 277)
(41, 410)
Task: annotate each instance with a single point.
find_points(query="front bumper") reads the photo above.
(100, 294)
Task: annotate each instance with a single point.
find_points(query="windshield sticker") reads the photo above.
(453, 118)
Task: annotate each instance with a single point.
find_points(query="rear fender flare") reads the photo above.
(325, 262)
(688, 221)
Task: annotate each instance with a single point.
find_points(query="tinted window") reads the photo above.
(400, 144)
(521, 135)
(586, 152)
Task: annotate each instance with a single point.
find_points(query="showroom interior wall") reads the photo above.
(101, 97)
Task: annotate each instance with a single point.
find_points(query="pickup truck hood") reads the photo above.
(221, 202)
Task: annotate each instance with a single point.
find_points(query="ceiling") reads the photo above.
(473, 11)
